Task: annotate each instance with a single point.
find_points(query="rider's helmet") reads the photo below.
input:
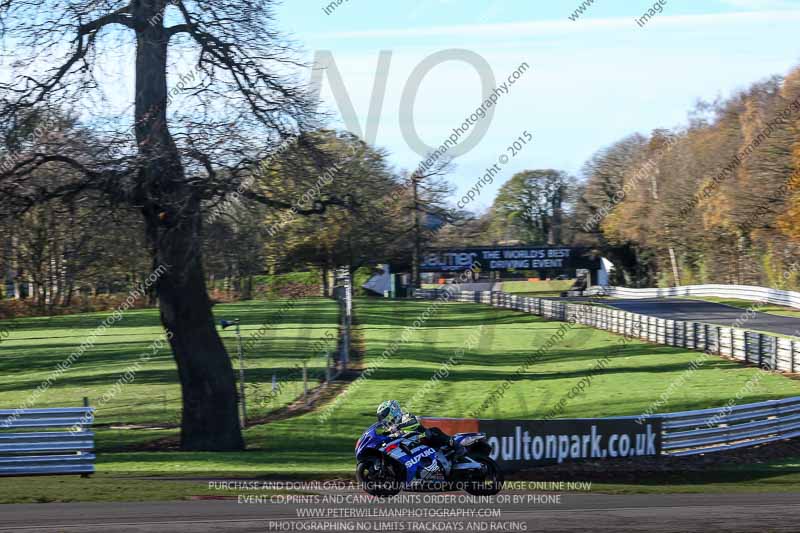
(390, 413)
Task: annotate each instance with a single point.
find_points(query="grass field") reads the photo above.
(538, 288)
(306, 447)
(35, 346)
(635, 377)
(772, 476)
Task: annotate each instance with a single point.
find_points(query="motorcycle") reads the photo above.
(388, 464)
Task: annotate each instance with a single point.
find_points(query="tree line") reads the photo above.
(90, 197)
(714, 201)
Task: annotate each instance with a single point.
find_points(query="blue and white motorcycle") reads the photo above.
(388, 464)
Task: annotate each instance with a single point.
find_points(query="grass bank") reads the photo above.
(484, 347)
(633, 378)
(539, 289)
(282, 334)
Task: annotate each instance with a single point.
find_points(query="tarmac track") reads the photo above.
(699, 311)
(572, 512)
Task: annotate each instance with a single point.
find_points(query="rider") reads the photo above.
(394, 420)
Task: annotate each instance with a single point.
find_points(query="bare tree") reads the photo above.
(429, 191)
(184, 149)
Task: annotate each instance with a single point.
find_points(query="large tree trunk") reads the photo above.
(210, 420)
(173, 220)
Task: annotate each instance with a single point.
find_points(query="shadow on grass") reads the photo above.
(104, 363)
(251, 313)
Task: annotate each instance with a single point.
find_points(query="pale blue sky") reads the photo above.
(592, 81)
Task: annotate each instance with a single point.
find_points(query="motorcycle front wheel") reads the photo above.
(376, 481)
(492, 481)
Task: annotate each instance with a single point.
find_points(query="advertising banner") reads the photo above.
(518, 444)
(508, 258)
(521, 444)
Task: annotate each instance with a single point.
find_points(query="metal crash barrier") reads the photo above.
(46, 441)
(727, 428)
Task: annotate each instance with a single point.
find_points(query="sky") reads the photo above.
(590, 82)
(587, 84)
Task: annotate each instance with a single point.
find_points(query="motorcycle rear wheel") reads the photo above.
(491, 484)
(381, 486)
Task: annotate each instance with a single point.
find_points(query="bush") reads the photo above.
(289, 285)
(81, 304)
(360, 277)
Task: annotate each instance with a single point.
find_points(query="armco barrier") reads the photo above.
(726, 428)
(741, 292)
(36, 451)
(767, 351)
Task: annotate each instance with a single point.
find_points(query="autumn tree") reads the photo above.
(355, 229)
(185, 145)
(530, 207)
(716, 199)
(233, 246)
(469, 229)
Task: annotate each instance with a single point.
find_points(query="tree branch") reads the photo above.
(320, 206)
(117, 17)
(179, 28)
(101, 181)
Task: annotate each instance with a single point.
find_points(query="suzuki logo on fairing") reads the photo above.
(415, 460)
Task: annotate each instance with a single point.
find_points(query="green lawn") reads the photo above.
(771, 476)
(635, 377)
(540, 289)
(36, 345)
(306, 447)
